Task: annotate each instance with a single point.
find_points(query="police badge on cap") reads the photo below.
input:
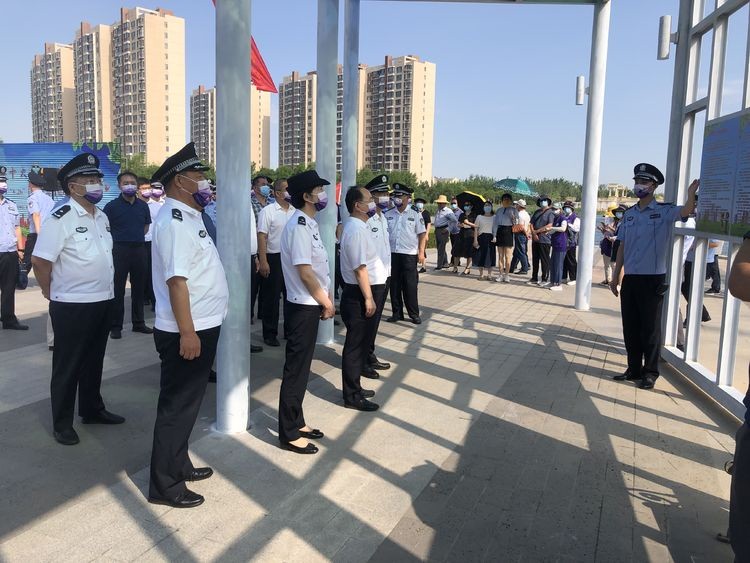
(378, 184)
(647, 171)
(84, 164)
(3, 172)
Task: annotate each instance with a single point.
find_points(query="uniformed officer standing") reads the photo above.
(271, 222)
(644, 235)
(407, 235)
(10, 254)
(39, 205)
(73, 266)
(191, 303)
(129, 218)
(377, 226)
(364, 276)
(305, 264)
(151, 194)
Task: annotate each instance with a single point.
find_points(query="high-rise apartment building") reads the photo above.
(53, 95)
(92, 56)
(203, 125)
(148, 73)
(297, 116)
(396, 117)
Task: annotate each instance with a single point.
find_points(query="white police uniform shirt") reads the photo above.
(153, 208)
(9, 220)
(646, 234)
(80, 248)
(358, 248)
(378, 227)
(271, 220)
(38, 202)
(181, 247)
(301, 244)
(404, 229)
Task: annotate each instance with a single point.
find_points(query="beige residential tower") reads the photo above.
(53, 99)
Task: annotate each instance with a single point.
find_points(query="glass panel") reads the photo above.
(704, 69)
(734, 75)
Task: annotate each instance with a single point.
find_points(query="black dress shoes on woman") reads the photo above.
(199, 474)
(313, 434)
(186, 499)
(67, 437)
(103, 417)
(308, 449)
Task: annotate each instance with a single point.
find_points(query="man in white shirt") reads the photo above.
(38, 206)
(271, 222)
(191, 303)
(364, 277)
(521, 240)
(74, 268)
(570, 263)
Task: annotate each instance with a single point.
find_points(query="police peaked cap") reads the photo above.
(378, 184)
(648, 172)
(402, 189)
(184, 160)
(84, 164)
(305, 182)
(3, 172)
(37, 179)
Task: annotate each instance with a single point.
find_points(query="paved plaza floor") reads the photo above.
(501, 437)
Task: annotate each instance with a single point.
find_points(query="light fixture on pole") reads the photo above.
(581, 90)
(666, 38)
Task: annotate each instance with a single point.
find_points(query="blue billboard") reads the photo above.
(46, 158)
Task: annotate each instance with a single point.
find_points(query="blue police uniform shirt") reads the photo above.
(9, 220)
(646, 236)
(38, 202)
(127, 220)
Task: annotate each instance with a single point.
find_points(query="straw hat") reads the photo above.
(442, 199)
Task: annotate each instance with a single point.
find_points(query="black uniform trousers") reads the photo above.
(641, 299)
(570, 264)
(8, 278)
(739, 499)
(182, 386)
(442, 235)
(28, 250)
(273, 288)
(359, 333)
(713, 273)
(687, 279)
(149, 285)
(301, 331)
(256, 282)
(404, 281)
(541, 253)
(81, 333)
(380, 304)
(129, 258)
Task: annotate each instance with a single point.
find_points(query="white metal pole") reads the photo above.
(592, 158)
(350, 129)
(325, 136)
(233, 208)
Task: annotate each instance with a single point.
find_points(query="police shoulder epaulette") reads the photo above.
(62, 211)
(301, 221)
(415, 208)
(177, 214)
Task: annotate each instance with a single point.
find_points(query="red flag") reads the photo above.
(259, 74)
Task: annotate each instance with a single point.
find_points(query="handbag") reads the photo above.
(518, 228)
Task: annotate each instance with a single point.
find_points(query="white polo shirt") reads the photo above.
(301, 244)
(404, 229)
(80, 248)
(378, 227)
(181, 247)
(357, 249)
(153, 208)
(271, 220)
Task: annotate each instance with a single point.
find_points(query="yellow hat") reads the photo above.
(442, 199)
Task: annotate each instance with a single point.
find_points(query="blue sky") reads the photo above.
(505, 73)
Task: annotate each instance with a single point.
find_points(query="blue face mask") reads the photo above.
(265, 191)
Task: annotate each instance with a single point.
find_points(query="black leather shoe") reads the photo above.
(186, 499)
(362, 405)
(626, 376)
(143, 329)
(272, 341)
(370, 374)
(416, 320)
(15, 326)
(379, 365)
(67, 437)
(212, 376)
(647, 382)
(115, 334)
(254, 349)
(308, 449)
(103, 417)
(367, 393)
(421, 271)
(314, 434)
(199, 473)
(393, 319)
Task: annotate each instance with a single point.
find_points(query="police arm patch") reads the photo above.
(301, 221)
(61, 212)
(177, 214)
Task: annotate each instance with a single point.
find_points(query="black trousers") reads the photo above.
(739, 499)
(256, 282)
(641, 299)
(148, 291)
(301, 331)
(404, 280)
(182, 386)
(360, 331)
(712, 272)
(8, 277)
(81, 333)
(273, 288)
(455, 248)
(442, 235)
(380, 304)
(28, 250)
(687, 278)
(570, 264)
(129, 259)
(540, 254)
(338, 279)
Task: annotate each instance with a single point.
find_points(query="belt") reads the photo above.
(443, 227)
